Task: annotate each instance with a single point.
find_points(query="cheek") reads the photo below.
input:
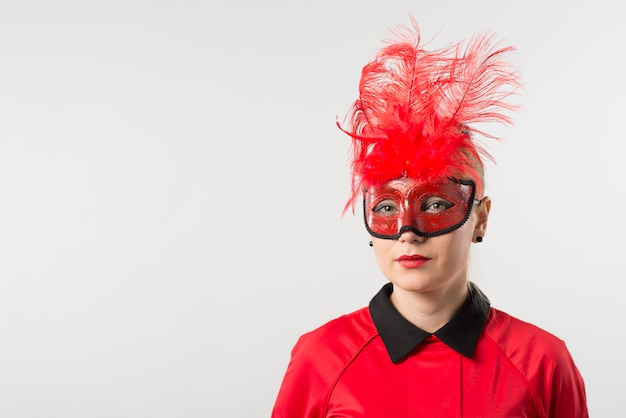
(457, 243)
(378, 252)
(382, 253)
(463, 243)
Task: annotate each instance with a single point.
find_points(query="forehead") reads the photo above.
(405, 185)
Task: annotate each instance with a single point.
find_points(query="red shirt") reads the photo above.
(482, 364)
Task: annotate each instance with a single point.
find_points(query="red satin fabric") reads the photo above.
(343, 370)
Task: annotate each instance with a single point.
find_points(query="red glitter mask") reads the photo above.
(426, 208)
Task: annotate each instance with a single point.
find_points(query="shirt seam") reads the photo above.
(519, 372)
(343, 370)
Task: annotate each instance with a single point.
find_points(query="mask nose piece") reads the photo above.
(406, 217)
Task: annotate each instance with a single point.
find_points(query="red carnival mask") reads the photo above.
(427, 209)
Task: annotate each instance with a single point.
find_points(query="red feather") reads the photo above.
(416, 109)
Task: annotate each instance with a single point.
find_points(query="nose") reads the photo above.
(411, 237)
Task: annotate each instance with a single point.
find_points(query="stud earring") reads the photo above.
(371, 244)
(479, 239)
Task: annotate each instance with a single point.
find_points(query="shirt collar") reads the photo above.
(401, 337)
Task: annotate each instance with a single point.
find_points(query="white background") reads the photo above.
(172, 181)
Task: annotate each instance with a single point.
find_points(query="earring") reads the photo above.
(371, 244)
(479, 239)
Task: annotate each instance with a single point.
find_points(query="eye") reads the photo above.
(435, 205)
(386, 208)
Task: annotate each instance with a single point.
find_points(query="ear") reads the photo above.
(482, 216)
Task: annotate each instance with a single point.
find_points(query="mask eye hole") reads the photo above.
(435, 204)
(386, 208)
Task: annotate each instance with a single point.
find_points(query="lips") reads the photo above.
(412, 257)
(412, 261)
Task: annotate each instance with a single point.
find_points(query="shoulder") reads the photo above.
(317, 360)
(535, 352)
(519, 338)
(544, 363)
(339, 339)
(322, 354)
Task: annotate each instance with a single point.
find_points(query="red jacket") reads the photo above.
(482, 364)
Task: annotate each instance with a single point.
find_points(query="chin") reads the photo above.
(419, 282)
(416, 284)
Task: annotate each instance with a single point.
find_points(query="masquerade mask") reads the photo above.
(427, 209)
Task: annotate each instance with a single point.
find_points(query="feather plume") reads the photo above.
(416, 108)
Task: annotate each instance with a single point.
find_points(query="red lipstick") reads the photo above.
(412, 261)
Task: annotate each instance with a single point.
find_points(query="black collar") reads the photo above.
(401, 337)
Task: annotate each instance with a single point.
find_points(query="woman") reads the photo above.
(428, 344)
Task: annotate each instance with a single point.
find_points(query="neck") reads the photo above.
(430, 310)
